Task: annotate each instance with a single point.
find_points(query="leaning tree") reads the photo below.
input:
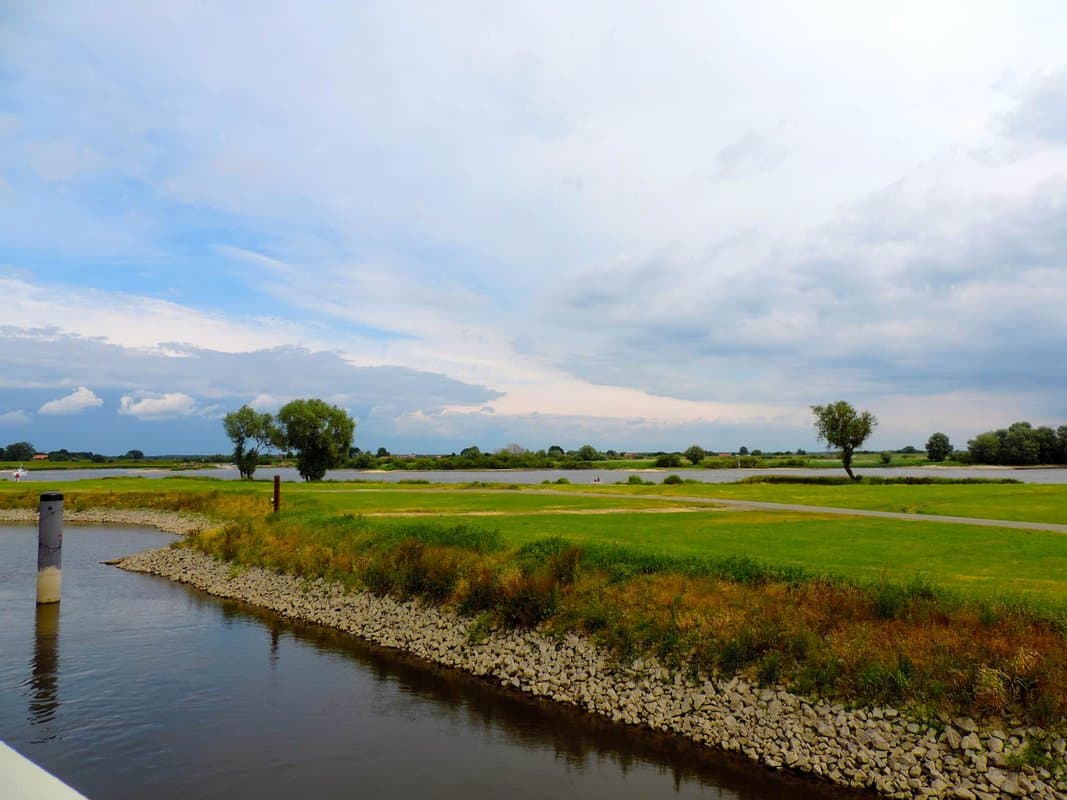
(839, 425)
(250, 433)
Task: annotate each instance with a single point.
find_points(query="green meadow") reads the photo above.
(658, 519)
(933, 615)
(1027, 502)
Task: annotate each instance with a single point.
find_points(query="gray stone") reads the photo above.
(952, 738)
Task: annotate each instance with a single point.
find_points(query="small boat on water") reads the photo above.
(19, 473)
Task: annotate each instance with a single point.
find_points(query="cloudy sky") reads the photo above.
(636, 225)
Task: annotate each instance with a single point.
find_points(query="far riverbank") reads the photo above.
(1046, 475)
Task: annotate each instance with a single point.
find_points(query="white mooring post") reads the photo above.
(49, 547)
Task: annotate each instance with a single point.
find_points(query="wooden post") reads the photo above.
(49, 547)
(277, 492)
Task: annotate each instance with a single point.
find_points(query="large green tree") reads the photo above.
(839, 425)
(19, 451)
(696, 454)
(250, 433)
(938, 447)
(320, 434)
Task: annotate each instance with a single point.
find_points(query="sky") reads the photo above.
(640, 226)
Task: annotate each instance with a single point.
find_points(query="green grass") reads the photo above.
(952, 617)
(979, 562)
(976, 560)
(1023, 502)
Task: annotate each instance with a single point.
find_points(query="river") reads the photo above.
(137, 687)
(534, 476)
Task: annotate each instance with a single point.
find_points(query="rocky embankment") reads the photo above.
(874, 748)
(167, 521)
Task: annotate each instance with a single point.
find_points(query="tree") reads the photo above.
(696, 454)
(556, 450)
(588, 453)
(19, 451)
(840, 426)
(668, 460)
(134, 455)
(250, 432)
(320, 434)
(1019, 445)
(985, 448)
(938, 447)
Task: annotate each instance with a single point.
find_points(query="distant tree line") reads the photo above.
(513, 456)
(1020, 444)
(25, 451)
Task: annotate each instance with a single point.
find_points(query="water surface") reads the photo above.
(532, 476)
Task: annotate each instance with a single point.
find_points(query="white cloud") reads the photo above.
(264, 402)
(151, 406)
(17, 417)
(138, 321)
(436, 190)
(77, 401)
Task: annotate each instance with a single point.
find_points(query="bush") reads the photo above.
(770, 668)
(672, 479)
(483, 591)
(527, 600)
(669, 460)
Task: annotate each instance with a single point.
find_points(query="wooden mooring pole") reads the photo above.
(49, 547)
(277, 492)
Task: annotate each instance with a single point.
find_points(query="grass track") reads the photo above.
(1023, 502)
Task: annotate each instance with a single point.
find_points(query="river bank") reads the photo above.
(166, 521)
(874, 748)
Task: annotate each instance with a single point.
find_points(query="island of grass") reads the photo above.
(941, 619)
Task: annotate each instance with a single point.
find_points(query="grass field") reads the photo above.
(973, 560)
(933, 615)
(1024, 502)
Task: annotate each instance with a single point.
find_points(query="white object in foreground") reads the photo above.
(21, 779)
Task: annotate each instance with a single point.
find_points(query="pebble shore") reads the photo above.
(871, 748)
(166, 521)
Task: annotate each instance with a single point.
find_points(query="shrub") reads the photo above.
(737, 652)
(669, 460)
(527, 600)
(672, 479)
(770, 668)
(483, 591)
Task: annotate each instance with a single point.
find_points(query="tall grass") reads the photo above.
(873, 480)
(878, 642)
(896, 641)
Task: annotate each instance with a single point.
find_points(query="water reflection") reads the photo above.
(580, 740)
(169, 693)
(44, 673)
